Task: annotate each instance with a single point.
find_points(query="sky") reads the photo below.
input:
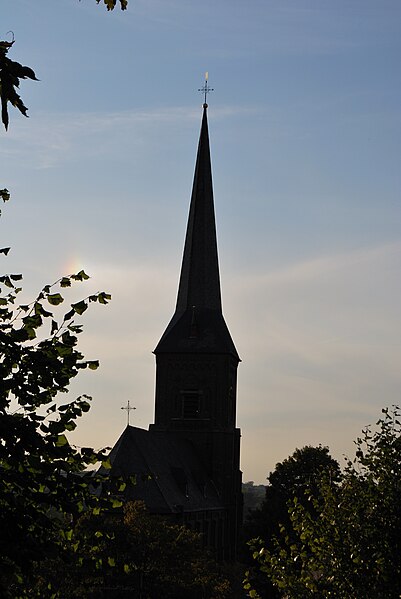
(305, 132)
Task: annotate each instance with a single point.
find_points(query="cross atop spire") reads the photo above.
(128, 409)
(206, 89)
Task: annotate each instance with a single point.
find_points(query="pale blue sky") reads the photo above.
(305, 127)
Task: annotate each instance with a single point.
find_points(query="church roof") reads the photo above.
(169, 476)
(198, 324)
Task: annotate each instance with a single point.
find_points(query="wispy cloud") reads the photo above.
(314, 268)
(327, 327)
(50, 139)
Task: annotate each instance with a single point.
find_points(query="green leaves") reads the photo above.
(4, 195)
(104, 298)
(346, 541)
(133, 546)
(79, 307)
(111, 4)
(44, 478)
(65, 282)
(10, 74)
(54, 299)
(80, 276)
(61, 441)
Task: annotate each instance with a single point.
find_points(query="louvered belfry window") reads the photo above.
(191, 405)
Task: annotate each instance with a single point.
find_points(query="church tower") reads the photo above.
(196, 360)
(186, 465)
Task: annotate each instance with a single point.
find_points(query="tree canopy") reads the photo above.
(45, 484)
(134, 554)
(345, 543)
(296, 476)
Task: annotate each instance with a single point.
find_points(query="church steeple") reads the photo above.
(198, 307)
(196, 361)
(200, 281)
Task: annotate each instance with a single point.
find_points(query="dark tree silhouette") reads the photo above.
(346, 541)
(297, 476)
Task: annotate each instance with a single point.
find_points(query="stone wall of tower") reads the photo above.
(211, 379)
(208, 382)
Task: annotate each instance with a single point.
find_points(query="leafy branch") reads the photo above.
(45, 484)
(10, 74)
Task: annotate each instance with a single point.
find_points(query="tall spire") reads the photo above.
(200, 282)
(199, 296)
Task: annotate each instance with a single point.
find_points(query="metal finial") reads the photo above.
(128, 408)
(206, 89)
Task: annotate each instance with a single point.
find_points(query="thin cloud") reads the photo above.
(316, 267)
(55, 138)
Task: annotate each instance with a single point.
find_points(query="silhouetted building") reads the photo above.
(187, 464)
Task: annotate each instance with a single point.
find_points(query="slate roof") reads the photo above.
(170, 477)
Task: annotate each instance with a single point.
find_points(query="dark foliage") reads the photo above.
(45, 485)
(111, 4)
(345, 543)
(137, 555)
(297, 476)
(10, 74)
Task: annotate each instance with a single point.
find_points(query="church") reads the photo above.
(187, 464)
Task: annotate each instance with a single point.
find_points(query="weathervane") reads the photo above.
(206, 89)
(128, 408)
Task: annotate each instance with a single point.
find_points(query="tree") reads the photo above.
(253, 497)
(349, 544)
(135, 554)
(44, 482)
(297, 476)
(45, 485)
